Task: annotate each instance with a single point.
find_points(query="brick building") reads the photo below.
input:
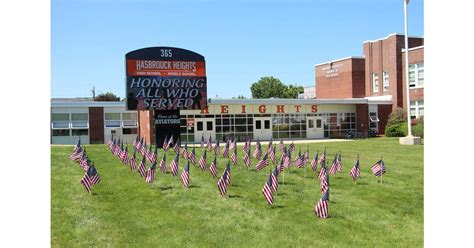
(378, 75)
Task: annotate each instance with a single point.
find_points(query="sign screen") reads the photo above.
(165, 78)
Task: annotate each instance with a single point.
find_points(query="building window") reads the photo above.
(60, 121)
(61, 132)
(112, 119)
(129, 120)
(416, 75)
(129, 131)
(80, 132)
(386, 82)
(80, 120)
(375, 82)
(417, 109)
(374, 120)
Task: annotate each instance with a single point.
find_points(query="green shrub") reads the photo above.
(396, 117)
(396, 130)
(417, 130)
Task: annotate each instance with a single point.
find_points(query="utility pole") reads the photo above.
(93, 93)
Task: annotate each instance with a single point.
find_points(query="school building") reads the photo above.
(352, 94)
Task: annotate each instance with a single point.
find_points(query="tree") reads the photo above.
(239, 97)
(292, 91)
(107, 97)
(267, 87)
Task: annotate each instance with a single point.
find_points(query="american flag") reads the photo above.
(227, 178)
(185, 175)
(247, 158)
(291, 147)
(233, 157)
(209, 143)
(270, 144)
(165, 144)
(355, 171)
(258, 150)
(267, 190)
(149, 154)
(271, 153)
(84, 163)
(339, 162)
(170, 142)
(306, 156)
(124, 155)
(217, 148)
(322, 159)
(110, 144)
(275, 179)
(314, 162)
(133, 161)
(143, 149)
(139, 145)
(282, 145)
(280, 166)
(174, 165)
(142, 168)
(78, 145)
(299, 162)
(135, 142)
(120, 150)
(202, 160)
(225, 151)
(222, 183)
(321, 208)
(287, 158)
(333, 168)
(185, 151)
(192, 156)
(233, 144)
(152, 155)
(378, 168)
(163, 164)
(150, 174)
(323, 172)
(213, 167)
(202, 141)
(177, 147)
(262, 163)
(246, 147)
(325, 183)
(77, 154)
(90, 178)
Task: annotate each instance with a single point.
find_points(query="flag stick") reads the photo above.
(283, 176)
(304, 171)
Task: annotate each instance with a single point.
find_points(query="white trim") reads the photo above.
(87, 104)
(413, 48)
(337, 60)
(392, 34)
(287, 101)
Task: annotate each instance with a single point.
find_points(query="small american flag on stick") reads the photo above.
(174, 165)
(378, 169)
(322, 207)
(355, 171)
(262, 163)
(202, 161)
(267, 190)
(163, 164)
(150, 174)
(141, 168)
(90, 178)
(185, 175)
(213, 167)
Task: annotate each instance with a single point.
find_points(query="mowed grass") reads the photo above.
(123, 210)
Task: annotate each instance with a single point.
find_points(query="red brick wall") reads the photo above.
(145, 125)
(385, 55)
(384, 112)
(362, 113)
(346, 82)
(96, 125)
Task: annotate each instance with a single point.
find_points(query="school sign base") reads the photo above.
(410, 140)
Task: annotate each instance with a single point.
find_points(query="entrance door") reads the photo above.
(262, 128)
(314, 127)
(206, 127)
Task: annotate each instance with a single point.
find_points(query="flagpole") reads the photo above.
(405, 3)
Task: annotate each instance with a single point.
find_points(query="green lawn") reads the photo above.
(123, 210)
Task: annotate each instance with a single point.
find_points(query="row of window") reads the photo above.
(416, 76)
(81, 120)
(417, 109)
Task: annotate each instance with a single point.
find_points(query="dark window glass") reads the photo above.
(209, 125)
(310, 124)
(318, 123)
(129, 130)
(199, 125)
(240, 121)
(78, 132)
(61, 132)
(267, 124)
(250, 120)
(258, 125)
(241, 128)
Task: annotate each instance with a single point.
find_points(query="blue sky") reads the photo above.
(241, 40)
